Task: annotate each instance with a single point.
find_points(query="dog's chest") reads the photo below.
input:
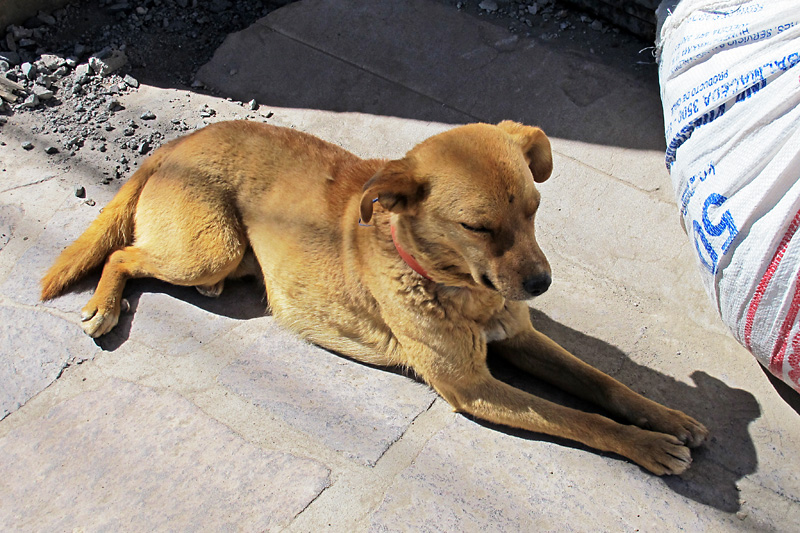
(494, 331)
(498, 318)
(508, 322)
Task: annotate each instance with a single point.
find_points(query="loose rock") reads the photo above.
(31, 101)
(51, 61)
(206, 111)
(29, 70)
(82, 73)
(42, 92)
(50, 20)
(105, 65)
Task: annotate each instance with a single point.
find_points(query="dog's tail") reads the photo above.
(110, 231)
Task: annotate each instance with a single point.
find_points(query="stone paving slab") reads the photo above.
(22, 284)
(351, 408)
(532, 81)
(125, 457)
(473, 479)
(23, 212)
(615, 236)
(29, 363)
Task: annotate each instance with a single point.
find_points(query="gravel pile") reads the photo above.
(551, 18)
(64, 73)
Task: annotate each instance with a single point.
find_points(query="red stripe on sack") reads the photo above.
(794, 362)
(762, 286)
(779, 349)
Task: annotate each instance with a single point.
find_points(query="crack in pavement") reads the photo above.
(37, 182)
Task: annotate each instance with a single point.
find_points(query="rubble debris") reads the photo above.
(206, 111)
(31, 101)
(82, 73)
(42, 93)
(51, 61)
(105, 64)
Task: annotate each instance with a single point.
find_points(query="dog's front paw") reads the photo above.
(661, 454)
(99, 318)
(665, 420)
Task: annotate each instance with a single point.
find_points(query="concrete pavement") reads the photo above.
(198, 414)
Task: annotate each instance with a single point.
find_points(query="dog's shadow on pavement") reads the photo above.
(241, 299)
(727, 456)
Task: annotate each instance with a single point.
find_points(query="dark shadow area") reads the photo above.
(790, 396)
(598, 89)
(242, 299)
(165, 45)
(550, 69)
(718, 464)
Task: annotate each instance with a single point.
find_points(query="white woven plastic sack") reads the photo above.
(730, 87)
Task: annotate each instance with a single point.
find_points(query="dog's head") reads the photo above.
(464, 204)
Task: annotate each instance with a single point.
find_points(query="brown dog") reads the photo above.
(418, 262)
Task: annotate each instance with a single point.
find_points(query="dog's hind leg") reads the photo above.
(248, 266)
(181, 236)
(179, 266)
(211, 291)
(102, 312)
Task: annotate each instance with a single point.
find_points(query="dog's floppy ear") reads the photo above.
(535, 146)
(395, 187)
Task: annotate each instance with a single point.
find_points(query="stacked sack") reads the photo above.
(730, 88)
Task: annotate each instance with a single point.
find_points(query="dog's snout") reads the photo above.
(537, 285)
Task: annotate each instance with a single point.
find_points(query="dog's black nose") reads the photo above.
(537, 285)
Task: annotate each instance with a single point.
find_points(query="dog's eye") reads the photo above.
(475, 229)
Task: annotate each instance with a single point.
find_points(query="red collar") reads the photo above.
(408, 258)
